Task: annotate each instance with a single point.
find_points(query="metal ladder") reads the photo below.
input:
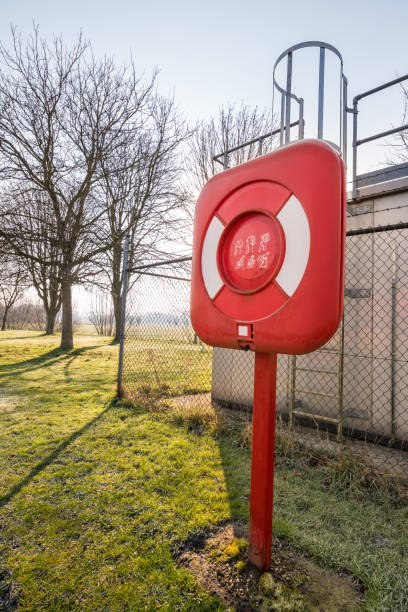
(293, 410)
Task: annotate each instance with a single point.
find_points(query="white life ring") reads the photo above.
(295, 225)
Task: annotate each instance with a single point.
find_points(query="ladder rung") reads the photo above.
(316, 416)
(317, 393)
(318, 371)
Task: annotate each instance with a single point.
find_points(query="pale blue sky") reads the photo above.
(212, 52)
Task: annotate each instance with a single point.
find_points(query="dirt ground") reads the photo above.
(295, 582)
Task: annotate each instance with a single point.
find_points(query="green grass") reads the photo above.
(95, 496)
(167, 365)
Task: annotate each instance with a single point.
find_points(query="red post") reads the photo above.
(263, 440)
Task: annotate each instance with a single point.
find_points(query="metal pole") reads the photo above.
(321, 93)
(393, 334)
(345, 121)
(292, 389)
(301, 132)
(282, 119)
(288, 97)
(123, 314)
(341, 382)
(262, 464)
(157, 264)
(341, 116)
(355, 111)
(400, 128)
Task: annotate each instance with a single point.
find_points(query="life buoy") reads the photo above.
(255, 255)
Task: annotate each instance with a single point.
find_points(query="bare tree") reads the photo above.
(62, 115)
(143, 197)
(31, 235)
(232, 127)
(13, 283)
(26, 314)
(101, 314)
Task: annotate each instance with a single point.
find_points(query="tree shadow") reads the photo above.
(48, 459)
(20, 337)
(71, 356)
(44, 361)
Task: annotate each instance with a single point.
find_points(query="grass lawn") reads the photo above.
(95, 496)
(170, 366)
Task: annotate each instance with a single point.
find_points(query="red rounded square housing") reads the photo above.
(268, 252)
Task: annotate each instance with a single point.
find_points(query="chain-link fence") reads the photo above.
(352, 392)
(163, 358)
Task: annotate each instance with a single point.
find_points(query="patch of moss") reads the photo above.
(237, 548)
(267, 584)
(279, 596)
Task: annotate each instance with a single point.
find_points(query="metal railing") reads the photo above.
(222, 158)
(287, 95)
(356, 141)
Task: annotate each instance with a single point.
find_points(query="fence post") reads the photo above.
(393, 334)
(123, 314)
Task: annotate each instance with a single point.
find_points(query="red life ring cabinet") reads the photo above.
(268, 253)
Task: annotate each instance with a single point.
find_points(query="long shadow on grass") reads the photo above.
(43, 361)
(52, 456)
(12, 338)
(70, 358)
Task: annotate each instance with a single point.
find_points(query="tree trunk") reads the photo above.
(51, 315)
(3, 323)
(116, 287)
(117, 310)
(53, 306)
(67, 337)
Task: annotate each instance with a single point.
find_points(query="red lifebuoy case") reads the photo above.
(268, 252)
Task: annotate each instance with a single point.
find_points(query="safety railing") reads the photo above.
(359, 141)
(223, 158)
(287, 95)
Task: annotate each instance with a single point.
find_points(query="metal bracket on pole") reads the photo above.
(123, 314)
